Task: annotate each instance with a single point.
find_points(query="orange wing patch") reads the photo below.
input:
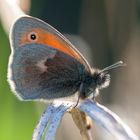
(51, 40)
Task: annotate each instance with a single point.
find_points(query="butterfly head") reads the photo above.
(99, 79)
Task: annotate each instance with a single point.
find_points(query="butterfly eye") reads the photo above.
(32, 36)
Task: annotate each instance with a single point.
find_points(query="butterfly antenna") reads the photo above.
(115, 65)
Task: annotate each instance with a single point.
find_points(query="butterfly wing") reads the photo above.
(43, 63)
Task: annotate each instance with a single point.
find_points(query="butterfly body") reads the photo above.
(45, 65)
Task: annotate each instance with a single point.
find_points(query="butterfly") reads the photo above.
(45, 65)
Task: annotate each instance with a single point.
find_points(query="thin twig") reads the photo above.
(80, 120)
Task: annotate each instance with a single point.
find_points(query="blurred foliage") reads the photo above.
(63, 15)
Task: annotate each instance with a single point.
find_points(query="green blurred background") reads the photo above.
(104, 31)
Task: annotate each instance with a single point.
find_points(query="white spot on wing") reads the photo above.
(41, 65)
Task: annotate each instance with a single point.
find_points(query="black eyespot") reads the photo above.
(33, 36)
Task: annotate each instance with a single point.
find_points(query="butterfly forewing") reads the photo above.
(45, 66)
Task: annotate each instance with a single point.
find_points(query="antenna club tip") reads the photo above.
(123, 63)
